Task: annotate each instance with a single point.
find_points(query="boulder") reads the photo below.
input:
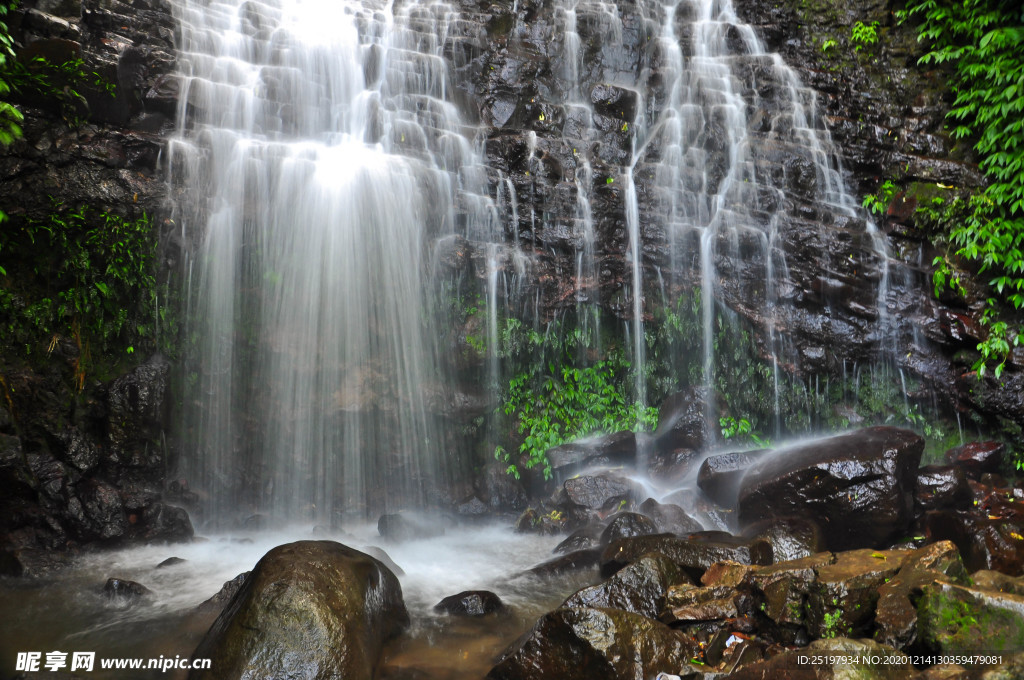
(627, 524)
(583, 538)
(310, 609)
(599, 494)
(858, 487)
(124, 592)
(616, 449)
(694, 555)
(670, 518)
(782, 590)
(841, 601)
(224, 595)
(976, 458)
(956, 619)
(683, 422)
(470, 603)
(719, 476)
(790, 537)
(941, 486)
(640, 587)
(984, 542)
(402, 527)
(595, 644)
(574, 561)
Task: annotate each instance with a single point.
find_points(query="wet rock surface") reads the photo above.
(312, 609)
(858, 487)
(470, 603)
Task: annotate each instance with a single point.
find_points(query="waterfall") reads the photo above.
(323, 160)
(318, 157)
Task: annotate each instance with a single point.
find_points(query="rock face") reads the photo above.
(858, 487)
(83, 459)
(313, 610)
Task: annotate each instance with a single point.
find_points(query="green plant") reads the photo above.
(879, 203)
(863, 34)
(742, 429)
(981, 40)
(86, 274)
(566, 402)
(828, 45)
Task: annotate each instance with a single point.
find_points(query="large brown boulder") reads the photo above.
(858, 486)
(595, 644)
(313, 610)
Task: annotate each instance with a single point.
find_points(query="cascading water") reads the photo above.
(319, 167)
(318, 159)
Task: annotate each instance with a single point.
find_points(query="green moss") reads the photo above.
(955, 620)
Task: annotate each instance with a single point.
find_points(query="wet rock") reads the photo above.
(683, 422)
(790, 537)
(137, 407)
(614, 449)
(170, 562)
(165, 523)
(719, 476)
(727, 573)
(640, 587)
(224, 595)
(575, 561)
(983, 542)
(125, 592)
(955, 619)
(601, 493)
(400, 527)
(99, 513)
(832, 653)
(841, 601)
(858, 487)
(690, 604)
(470, 603)
(311, 609)
(976, 458)
(473, 507)
(627, 524)
(782, 591)
(672, 467)
(31, 563)
(670, 518)
(998, 581)
(694, 555)
(501, 491)
(582, 539)
(594, 644)
(382, 556)
(896, 610)
(537, 521)
(940, 486)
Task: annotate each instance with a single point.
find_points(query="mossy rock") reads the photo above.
(954, 619)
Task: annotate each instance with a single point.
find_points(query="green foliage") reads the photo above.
(10, 117)
(60, 83)
(879, 203)
(742, 430)
(562, 391)
(864, 35)
(82, 273)
(981, 40)
(565, 403)
(828, 45)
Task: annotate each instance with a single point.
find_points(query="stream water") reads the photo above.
(74, 614)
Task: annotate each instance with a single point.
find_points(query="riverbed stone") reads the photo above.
(694, 554)
(471, 603)
(640, 587)
(310, 609)
(857, 486)
(626, 524)
(594, 644)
